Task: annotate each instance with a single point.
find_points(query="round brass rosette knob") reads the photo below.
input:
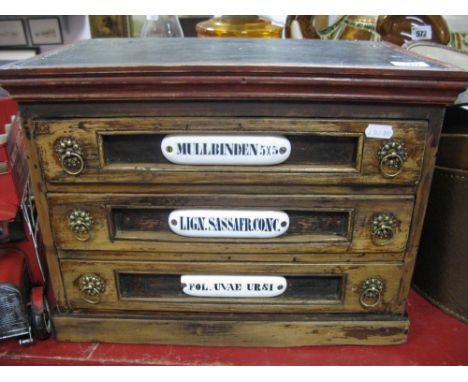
(81, 224)
(383, 227)
(392, 155)
(91, 287)
(70, 155)
(371, 292)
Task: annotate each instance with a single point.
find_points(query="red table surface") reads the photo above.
(435, 338)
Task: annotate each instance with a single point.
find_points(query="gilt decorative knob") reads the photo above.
(383, 227)
(392, 155)
(81, 224)
(371, 292)
(91, 286)
(70, 155)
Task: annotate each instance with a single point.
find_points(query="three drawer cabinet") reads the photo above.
(231, 192)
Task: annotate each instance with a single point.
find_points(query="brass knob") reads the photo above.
(371, 292)
(81, 224)
(70, 155)
(92, 286)
(392, 155)
(383, 227)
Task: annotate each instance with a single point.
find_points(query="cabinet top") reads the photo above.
(195, 68)
(221, 52)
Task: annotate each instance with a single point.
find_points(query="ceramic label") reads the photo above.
(225, 149)
(233, 286)
(228, 223)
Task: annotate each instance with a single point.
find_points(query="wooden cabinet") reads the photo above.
(240, 161)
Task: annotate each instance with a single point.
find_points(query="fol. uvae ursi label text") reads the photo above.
(225, 149)
(233, 286)
(228, 223)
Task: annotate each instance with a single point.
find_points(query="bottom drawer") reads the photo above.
(249, 288)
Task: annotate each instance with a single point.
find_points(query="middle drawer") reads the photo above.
(231, 223)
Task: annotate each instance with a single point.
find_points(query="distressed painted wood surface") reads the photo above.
(232, 330)
(346, 298)
(323, 152)
(139, 223)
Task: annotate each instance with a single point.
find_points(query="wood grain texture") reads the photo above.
(422, 196)
(353, 277)
(234, 331)
(90, 133)
(38, 188)
(232, 69)
(234, 258)
(361, 209)
(338, 109)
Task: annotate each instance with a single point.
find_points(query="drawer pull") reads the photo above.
(92, 286)
(81, 224)
(70, 155)
(392, 155)
(383, 228)
(371, 292)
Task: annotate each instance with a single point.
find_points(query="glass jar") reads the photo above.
(402, 28)
(162, 26)
(239, 26)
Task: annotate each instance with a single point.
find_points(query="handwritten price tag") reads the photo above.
(379, 131)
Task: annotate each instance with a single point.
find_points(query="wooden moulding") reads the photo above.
(231, 332)
(197, 69)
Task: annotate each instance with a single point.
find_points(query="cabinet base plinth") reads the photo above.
(230, 331)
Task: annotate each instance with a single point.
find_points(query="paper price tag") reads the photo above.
(421, 32)
(379, 131)
(410, 64)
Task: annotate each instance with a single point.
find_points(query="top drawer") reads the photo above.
(232, 151)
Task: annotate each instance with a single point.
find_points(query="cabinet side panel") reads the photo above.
(435, 119)
(40, 190)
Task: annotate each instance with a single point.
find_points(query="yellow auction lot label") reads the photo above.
(228, 223)
(233, 286)
(226, 149)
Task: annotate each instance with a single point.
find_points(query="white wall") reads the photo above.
(74, 28)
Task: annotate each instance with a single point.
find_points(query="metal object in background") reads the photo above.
(24, 310)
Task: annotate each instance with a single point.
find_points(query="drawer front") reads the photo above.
(147, 286)
(305, 224)
(130, 151)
